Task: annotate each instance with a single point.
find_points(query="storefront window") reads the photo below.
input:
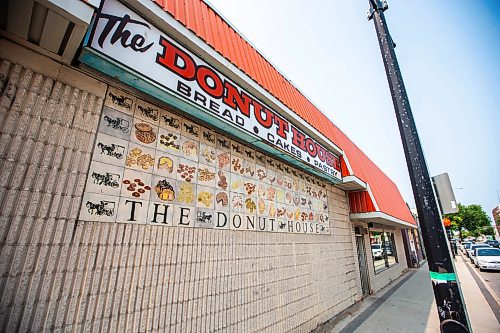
(383, 247)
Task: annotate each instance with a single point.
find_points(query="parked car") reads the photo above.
(466, 247)
(487, 258)
(377, 251)
(462, 246)
(471, 252)
(493, 243)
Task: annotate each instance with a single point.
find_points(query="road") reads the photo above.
(492, 280)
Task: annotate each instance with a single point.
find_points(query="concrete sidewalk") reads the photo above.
(408, 305)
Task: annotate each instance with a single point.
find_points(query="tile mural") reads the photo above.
(151, 166)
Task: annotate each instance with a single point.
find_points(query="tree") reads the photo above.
(471, 218)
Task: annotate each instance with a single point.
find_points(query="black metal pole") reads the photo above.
(450, 305)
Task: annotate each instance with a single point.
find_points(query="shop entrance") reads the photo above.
(363, 267)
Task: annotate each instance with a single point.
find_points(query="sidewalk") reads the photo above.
(407, 305)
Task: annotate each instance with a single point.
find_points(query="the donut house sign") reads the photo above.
(165, 176)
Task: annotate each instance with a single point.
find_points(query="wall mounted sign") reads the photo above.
(124, 36)
(151, 166)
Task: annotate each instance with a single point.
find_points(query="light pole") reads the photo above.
(449, 302)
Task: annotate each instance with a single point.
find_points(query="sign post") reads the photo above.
(450, 305)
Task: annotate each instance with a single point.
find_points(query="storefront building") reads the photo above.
(159, 174)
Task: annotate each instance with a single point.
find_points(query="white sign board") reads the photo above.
(124, 36)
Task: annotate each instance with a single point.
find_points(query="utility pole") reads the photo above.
(449, 301)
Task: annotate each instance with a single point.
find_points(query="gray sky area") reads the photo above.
(449, 53)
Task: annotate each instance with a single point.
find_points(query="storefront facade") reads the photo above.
(149, 182)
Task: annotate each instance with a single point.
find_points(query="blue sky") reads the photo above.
(449, 53)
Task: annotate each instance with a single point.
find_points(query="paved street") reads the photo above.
(492, 280)
(408, 305)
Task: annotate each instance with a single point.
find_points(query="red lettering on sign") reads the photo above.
(282, 126)
(170, 60)
(311, 147)
(236, 101)
(259, 110)
(298, 139)
(202, 73)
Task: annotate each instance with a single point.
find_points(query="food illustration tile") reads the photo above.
(166, 165)
(260, 173)
(120, 100)
(187, 170)
(208, 154)
(223, 160)
(222, 200)
(205, 197)
(271, 208)
(144, 133)
(170, 121)
(237, 184)
(261, 190)
(271, 192)
(237, 165)
(271, 176)
(115, 123)
(99, 207)
(136, 184)
(280, 194)
(250, 205)
(222, 179)
(206, 175)
(186, 193)
(163, 189)
(236, 202)
(169, 141)
(132, 211)
(189, 148)
(147, 112)
(110, 150)
(140, 158)
(249, 169)
(261, 207)
(104, 179)
(249, 186)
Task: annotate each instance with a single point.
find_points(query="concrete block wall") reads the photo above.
(58, 273)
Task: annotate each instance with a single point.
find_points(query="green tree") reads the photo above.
(471, 218)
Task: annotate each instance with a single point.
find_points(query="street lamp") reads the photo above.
(449, 302)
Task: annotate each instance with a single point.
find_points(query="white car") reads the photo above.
(377, 251)
(487, 258)
(470, 252)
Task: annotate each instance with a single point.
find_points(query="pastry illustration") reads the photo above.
(186, 193)
(166, 163)
(144, 133)
(189, 148)
(222, 199)
(164, 190)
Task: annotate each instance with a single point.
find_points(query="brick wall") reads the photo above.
(57, 273)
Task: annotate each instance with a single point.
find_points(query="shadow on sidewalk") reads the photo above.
(407, 305)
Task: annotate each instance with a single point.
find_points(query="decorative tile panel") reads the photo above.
(151, 166)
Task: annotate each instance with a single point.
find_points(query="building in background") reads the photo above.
(159, 173)
(496, 218)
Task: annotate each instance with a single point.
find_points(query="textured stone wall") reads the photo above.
(57, 273)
